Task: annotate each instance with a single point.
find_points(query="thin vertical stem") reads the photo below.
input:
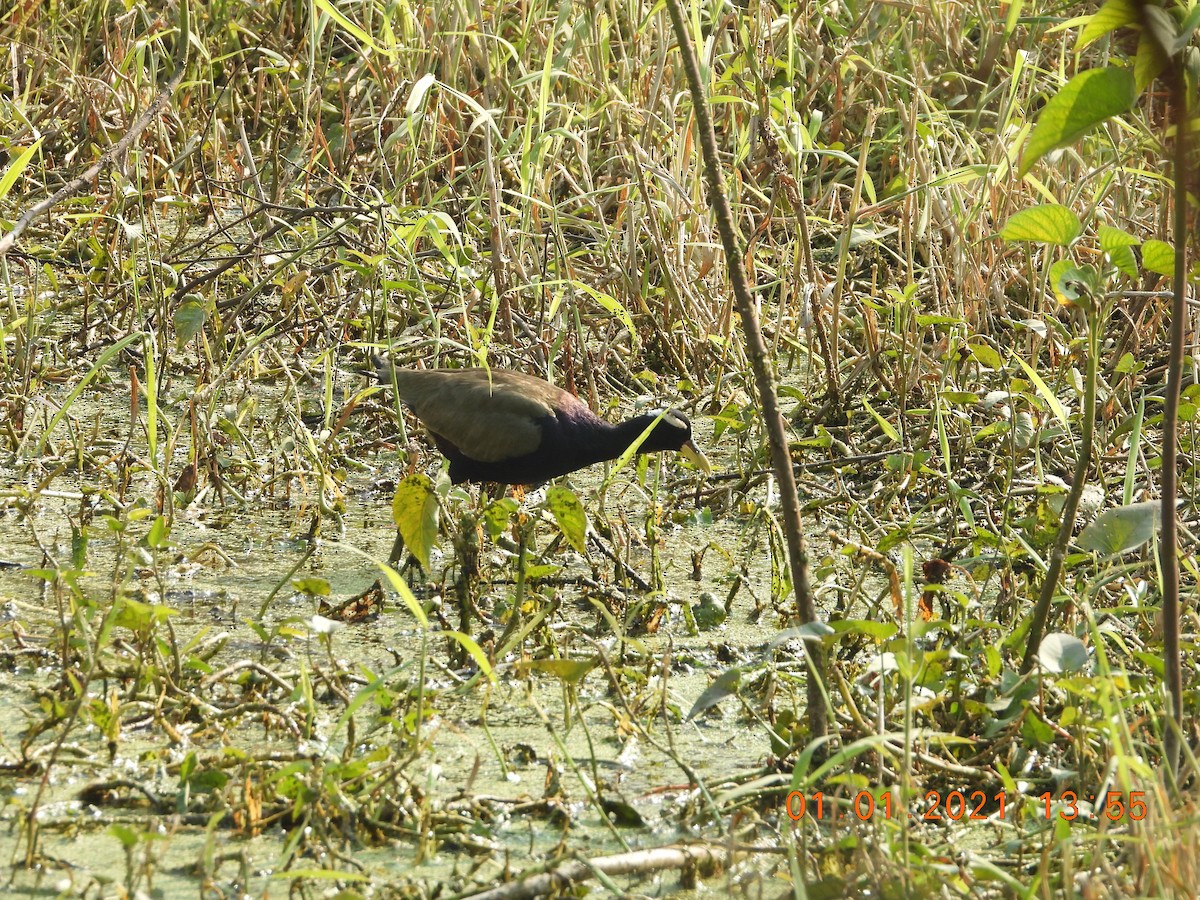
(764, 376)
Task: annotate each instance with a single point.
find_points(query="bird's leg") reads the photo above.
(653, 521)
(409, 561)
(397, 549)
(466, 548)
(525, 527)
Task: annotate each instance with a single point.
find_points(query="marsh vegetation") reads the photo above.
(216, 684)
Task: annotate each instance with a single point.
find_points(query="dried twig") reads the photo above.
(116, 150)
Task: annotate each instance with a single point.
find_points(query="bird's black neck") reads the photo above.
(582, 441)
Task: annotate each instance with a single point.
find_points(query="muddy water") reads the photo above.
(500, 746)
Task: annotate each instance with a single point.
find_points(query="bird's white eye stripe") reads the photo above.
(670, 417)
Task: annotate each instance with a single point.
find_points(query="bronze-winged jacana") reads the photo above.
(511, 428)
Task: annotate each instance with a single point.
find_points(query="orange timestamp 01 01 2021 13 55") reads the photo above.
(967, 805)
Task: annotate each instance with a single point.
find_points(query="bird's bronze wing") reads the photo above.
(487, 418)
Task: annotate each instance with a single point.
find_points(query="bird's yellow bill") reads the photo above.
(693, 455)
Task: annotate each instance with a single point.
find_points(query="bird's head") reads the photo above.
(672, 430)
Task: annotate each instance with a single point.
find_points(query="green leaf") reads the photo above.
(1189, 26)
(568, 670)
(140, 617)
(1128, 364)
(1111, 238)
(1056, 407)
(812, 631)
(726, 685)
(1149, 61)
(126, 835)
(1122, 529)
(498, 514)
(709, 613)
(473, 650)
(1117, 245)
(312, 586)
(415, 512)
(907, 461)
(1036, 732)
(1084, 102)
(1159, 257)
(1163, 29)
(732, 417)
(611, 305)
(1112, 15)
(206, 781)
(959, 398)
(569, 514)
(985, 355)
(1062, 653)
(623, 460)
(883, 423)
(862, 234)
(1075, 285)
(79, 546)
(159, 534)
(1049, 223)
(18, 166)
(189, 320)
(352, 28)
(878, 631)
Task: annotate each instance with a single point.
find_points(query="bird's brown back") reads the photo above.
(488, 414)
